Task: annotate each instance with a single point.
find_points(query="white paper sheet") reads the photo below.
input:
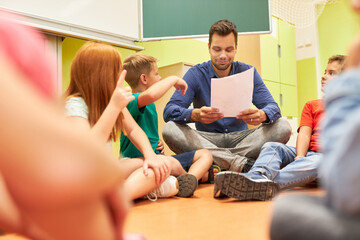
(233, 94)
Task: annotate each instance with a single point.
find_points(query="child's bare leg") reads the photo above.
(138, 185)
(187, 181)
(201, 163)
(130, 165)
(175, 166)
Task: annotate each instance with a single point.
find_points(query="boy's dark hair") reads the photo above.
(135, 65)
(223, 28)
(338, 58)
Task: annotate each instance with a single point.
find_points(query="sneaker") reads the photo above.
(187, 185)
(168, 188)
(245, 186)
(248, 165)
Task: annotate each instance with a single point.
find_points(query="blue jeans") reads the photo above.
(276, 162)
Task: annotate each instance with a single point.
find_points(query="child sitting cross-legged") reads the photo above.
(144, 80)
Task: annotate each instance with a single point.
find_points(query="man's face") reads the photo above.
(331, 71)
(222, 51)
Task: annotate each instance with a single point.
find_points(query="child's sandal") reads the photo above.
(211, 177)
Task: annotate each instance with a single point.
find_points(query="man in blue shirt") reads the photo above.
(233, 145)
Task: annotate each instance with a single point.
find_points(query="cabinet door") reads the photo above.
(288, 100)
(274, 89)
(278, 66)
(269, 58)
(287, 60)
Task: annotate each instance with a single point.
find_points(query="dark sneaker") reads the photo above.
(245, 186)
(187, 185)
(248, 165)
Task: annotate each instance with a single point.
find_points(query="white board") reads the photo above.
(112, 21)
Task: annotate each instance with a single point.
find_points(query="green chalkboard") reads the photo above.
(162, 19)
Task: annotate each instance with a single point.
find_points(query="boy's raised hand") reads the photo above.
(122, 95)
(181, 84)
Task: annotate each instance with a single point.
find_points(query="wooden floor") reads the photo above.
(201, 217)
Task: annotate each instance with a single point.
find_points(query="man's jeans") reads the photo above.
(231, 151)
(274, 155)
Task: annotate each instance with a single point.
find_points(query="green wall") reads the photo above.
(174, 51)
(69, 48)
(167, 51)
(337, 26)
(306, 75)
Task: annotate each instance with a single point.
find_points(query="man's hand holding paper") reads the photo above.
(206, 115)
(232, 95)
(253, 116)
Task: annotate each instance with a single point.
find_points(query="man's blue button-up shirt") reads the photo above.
(198, 79)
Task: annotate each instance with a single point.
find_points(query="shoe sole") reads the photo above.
(187, 185)
(240, 187)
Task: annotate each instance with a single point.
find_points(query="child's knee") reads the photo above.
(203, 154)
(175, 167)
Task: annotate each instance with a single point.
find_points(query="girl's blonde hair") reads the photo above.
(95, 71)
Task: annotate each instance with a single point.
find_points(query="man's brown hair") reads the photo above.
(223, 28)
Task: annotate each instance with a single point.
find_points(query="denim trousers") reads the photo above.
(276, 162)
